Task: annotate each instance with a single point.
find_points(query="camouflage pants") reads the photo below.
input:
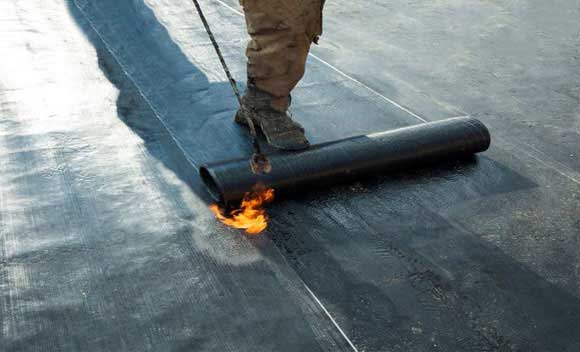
(281, 32)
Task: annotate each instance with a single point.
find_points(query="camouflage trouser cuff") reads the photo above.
(263, 99)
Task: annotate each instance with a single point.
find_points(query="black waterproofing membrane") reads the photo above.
(109, 108)
(356, 156)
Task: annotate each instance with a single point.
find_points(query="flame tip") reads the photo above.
(251, 215)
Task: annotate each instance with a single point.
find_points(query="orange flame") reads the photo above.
(251, 216)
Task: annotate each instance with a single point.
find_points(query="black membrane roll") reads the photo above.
(332, 162)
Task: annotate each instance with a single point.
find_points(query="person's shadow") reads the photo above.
(129, 31)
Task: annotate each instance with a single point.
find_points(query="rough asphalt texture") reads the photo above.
(108, 107)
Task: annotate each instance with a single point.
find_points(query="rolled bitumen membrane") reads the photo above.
(228, 181)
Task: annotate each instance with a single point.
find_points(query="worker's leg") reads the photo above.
(281, 34)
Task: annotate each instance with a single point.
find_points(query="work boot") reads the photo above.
(280, 130)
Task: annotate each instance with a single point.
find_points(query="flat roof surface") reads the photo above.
(108, 108)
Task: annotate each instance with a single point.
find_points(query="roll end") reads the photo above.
(481, 130)
(211, 184)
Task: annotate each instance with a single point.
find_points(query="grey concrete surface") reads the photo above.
(108, 107)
